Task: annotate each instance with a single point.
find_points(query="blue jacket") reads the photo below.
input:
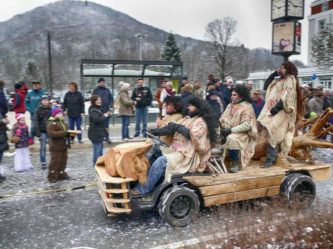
(33, 99)
(105, 95)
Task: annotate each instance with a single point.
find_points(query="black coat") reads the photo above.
(106, 97)
(74, 103)
(96, 131)
(41, 117)
(144, 94)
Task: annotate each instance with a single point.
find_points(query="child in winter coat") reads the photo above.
(41, 117)
(58, 135)
(22, 159)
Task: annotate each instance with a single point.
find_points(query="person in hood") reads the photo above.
(19, 98)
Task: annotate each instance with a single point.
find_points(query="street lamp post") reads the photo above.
(140, 36)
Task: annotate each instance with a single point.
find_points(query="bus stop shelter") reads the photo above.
(130, 69)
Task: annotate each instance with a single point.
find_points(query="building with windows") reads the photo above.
(321, 15)
(311, 75)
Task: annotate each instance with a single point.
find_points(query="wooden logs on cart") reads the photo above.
(127, 160)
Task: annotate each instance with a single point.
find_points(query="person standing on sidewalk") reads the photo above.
(41, 117)
(20, 130)
(3, 140)
(19, 98)
(74, 107)
(32, 101)
(107, 105)
(125, 109)
(143, 97)
(57, 132)
(96, 128)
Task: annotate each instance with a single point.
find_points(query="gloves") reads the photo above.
(225, 132)
(154, 131)
(183, 130)
(67, 134)
(278, 107)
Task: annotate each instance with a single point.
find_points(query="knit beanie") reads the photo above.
(18, 116)
(54, 112)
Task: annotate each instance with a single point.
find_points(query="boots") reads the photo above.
(271, 156)
(235, 166)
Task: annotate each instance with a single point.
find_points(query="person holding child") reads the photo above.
(20, 131)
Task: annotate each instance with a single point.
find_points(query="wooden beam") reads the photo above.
(240, 196)
(241, 185)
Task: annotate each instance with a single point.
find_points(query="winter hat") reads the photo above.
(18, 116)
(101, 79)
(44, 97)
(17, 86)
(124, 86)
(54, 112)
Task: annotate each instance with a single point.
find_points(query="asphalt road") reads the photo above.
(72, 219)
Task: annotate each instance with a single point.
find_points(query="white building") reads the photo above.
(321, 15)
(311, 75)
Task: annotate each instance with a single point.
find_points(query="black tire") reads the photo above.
(178, 206)
(299, 190)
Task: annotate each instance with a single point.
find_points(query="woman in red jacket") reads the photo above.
(18, 101)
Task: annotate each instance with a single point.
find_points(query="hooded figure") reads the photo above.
(190, 150)
(239, 128)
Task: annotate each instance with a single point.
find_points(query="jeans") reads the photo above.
(98, 151)
(124, 129)
(32, 128)
(155, 173)
(75, 121)
(141, 114)
(42, 149)
(106, 125)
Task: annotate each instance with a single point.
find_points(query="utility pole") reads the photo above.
(140, 36)
(50, 62)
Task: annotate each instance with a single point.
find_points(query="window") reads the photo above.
(321, 24)
(324, 6)
(326, 82)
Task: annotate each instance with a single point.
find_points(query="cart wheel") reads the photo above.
(299, 190)
(178, 206)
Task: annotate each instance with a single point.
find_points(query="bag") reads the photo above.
(15, 139)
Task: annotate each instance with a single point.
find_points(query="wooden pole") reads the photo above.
(50, 63)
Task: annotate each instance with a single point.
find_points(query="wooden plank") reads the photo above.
(321, 174)
(246, 174)
(109, 207)
(106, 178)
(242, 195)
(111, 191)
(241, 185)
(125, 195)
(112, 200)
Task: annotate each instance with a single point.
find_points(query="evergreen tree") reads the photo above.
(322, 47)
(32, 71)
(170, 51)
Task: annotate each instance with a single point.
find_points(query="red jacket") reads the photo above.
(18, 101)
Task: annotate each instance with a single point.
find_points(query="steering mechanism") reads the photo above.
(156, 140)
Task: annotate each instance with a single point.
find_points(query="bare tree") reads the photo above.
(220, 32)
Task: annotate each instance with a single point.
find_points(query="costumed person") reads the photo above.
(281, 111)
(167, 91)
(190, 149)
(58, 146)
(20, 130)
(96, 128)
(173, 107)
(239, 129)
(41, 118)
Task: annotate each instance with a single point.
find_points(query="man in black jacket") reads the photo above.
(143, 97)
(74, 107)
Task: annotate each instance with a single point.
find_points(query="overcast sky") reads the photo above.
(189, 17)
